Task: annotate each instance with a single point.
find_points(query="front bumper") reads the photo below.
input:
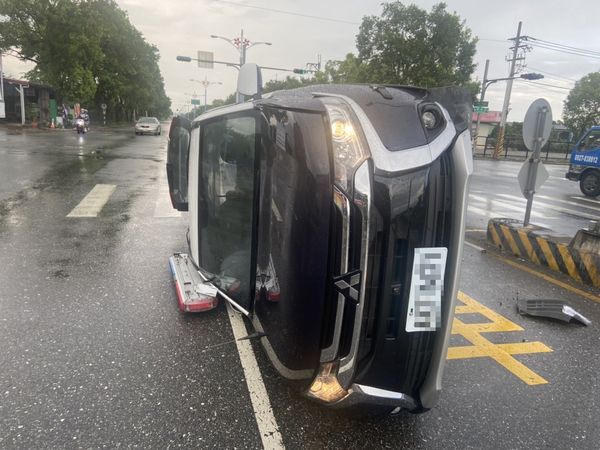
(573, 176)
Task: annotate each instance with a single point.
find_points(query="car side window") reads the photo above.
(227, 161)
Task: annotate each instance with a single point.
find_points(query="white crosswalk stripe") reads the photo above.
(552, 207)
(545, 197)
(92, 204)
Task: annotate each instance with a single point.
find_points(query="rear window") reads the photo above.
(148, 120)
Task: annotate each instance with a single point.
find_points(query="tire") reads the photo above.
(590, 183)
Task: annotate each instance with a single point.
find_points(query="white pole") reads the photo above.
(1, 79)
(2, 108)
(21, 90)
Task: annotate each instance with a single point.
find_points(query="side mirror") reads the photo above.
(250, 80)
(177, 162)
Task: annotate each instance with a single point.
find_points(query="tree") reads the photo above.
(582, 106)
(88, 51)
(293, 82)
(407, 45)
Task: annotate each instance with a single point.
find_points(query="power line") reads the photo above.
(567, 47)
(544, 46)
(550, 85)
(553, 75)
(291, 13)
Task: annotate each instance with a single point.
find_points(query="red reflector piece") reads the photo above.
(273, 296)
(193, 293)
(201, 304)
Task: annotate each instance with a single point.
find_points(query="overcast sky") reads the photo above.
(183, 27)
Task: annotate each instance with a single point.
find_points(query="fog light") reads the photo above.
(326, 386)
(429, 120)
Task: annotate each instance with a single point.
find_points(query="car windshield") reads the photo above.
(148, 120)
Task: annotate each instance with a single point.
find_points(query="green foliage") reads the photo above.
(88, 51)
(514, 129)
(292, 83)
(409, 46)
(582, 106)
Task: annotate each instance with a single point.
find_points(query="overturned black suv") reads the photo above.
(333, 217)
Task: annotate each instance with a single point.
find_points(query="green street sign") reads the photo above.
(481, 103)
(480, 109)
(195, 101)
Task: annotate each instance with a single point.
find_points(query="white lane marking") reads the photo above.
(267, 426)
(93, 203)
(163, 206)
(476, 247)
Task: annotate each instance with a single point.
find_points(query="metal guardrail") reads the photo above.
(514, 147)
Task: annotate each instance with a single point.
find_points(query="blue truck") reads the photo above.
(585, 163)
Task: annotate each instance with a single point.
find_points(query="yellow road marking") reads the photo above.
(562, 284)
(93, 203)
(482, 347)
(519, 348)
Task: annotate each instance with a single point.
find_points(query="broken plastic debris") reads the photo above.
(554, 309)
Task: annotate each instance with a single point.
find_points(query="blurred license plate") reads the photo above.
(427, 285)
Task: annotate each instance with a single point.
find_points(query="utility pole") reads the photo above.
(481, 98)
(515, 57)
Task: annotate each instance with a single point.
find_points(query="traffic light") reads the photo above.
(184, 58)
(532, 76)
(301, 71)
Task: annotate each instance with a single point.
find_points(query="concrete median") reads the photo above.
(541, 247)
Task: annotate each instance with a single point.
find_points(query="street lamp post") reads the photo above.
(242, 45)
(205, 83)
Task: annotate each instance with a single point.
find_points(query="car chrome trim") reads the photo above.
(462, 161)
(342, 203)
(362, 200)
(360, 394)
(407, 159)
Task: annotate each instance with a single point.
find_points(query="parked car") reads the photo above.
(148, 125)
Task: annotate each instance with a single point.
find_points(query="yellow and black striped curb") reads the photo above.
(509, 235)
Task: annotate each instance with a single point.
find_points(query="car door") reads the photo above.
(293, 238)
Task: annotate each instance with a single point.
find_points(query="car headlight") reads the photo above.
(348, 142)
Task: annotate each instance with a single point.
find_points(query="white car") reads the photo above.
(148, 125)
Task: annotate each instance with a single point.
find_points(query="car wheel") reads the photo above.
(590, 184)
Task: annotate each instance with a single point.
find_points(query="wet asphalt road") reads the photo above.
(96, 354)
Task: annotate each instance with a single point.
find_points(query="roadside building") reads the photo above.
(37, 103)
(487, 122)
